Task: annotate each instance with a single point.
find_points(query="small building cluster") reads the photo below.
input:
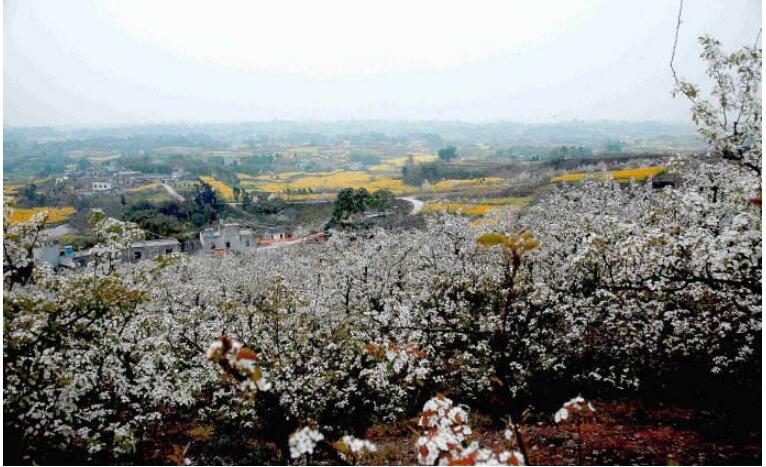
(231, 237)
(111, 177)
(55, 256)
(227, 238)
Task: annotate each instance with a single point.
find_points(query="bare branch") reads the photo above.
(675, 42)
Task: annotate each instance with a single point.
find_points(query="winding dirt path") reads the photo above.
(417, 205)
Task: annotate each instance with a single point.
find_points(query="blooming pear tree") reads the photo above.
(19, 241)
(114, 237)
(729, 119)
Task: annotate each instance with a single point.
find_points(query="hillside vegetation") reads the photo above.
(602, 322)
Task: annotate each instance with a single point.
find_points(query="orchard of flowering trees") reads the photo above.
(597, 288)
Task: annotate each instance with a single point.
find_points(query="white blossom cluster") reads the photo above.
(352, 449)
(240, 361)
(729, 118)
(445, 438)
(19, 241)
(114, 237)
(576, 407)
(304, 441)
(357, 445)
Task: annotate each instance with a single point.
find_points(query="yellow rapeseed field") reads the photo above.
(639, 174)
(479, 207)
(573, 177)
(94, 156)
(419, 159)
(278, 177)
(334, 181)
(222, 188)
(307, 196)
(331, 182)
(449, 185)
(54, 214)
(394, 164)
(396, 186)
(103, 158)
(9, 192)
(274, 187)
(468, 209)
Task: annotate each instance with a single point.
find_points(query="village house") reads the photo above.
(150, 249)
(274, 234)
(49, 254)
(129, 177)
(227, 238)
(53, 256)
(101, 184)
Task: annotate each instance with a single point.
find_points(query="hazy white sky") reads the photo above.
(80, 62)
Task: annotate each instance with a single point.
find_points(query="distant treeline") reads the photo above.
(417, 174)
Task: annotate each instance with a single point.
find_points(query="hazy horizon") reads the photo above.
(103, 64)
(307, 121)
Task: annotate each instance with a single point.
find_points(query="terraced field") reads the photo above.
(396, 163)
(451, 185)
(332, 182)
(639, 174)
(55, 215)
(9, 192)
(480, 208)
(223, 189)
(328, 183)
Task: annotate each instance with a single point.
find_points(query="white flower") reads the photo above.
(263, 384)
(357, 445)
(304, 441)
(576, 406)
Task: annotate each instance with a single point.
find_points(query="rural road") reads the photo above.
(417, 205)
(172, 192)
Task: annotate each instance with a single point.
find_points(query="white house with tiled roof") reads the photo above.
(227, 238)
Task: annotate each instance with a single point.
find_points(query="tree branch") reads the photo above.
(675, 42)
